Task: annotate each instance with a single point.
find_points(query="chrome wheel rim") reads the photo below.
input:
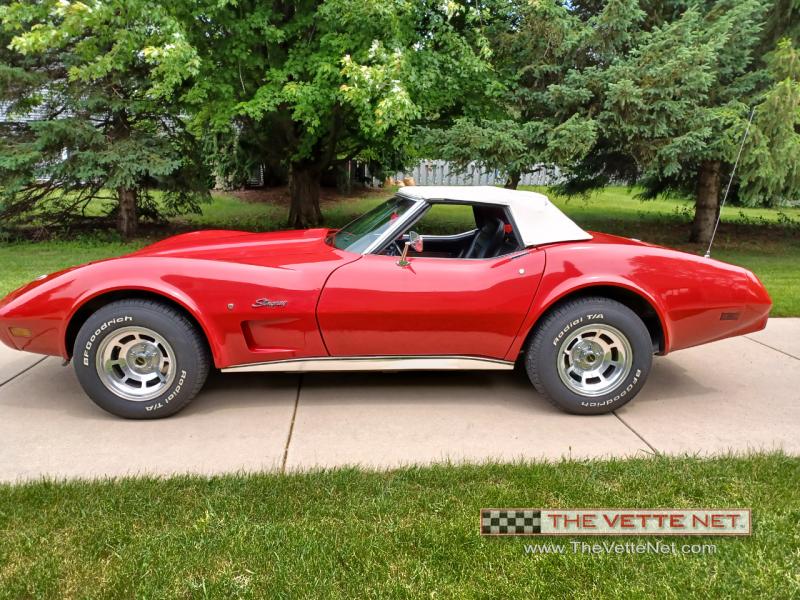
(594, 359)
(136, 363)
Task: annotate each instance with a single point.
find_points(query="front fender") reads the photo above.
(46, 307)
(169, 293)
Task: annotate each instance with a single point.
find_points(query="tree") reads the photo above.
(770, 169)
(655, 93)
(99, 79)
(539, 109)
(325, 82)
(673, 111)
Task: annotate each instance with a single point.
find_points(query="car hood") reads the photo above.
(272, 248)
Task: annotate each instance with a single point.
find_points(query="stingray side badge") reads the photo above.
(269, 303)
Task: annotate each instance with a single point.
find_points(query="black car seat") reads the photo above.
(487, 241)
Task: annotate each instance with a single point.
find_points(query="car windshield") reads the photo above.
(357, 235)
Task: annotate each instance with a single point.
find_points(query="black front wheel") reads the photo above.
(590, 356)
(140, 359)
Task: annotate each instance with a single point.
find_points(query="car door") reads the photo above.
(433, 306)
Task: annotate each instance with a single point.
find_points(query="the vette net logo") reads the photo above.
(632, 521)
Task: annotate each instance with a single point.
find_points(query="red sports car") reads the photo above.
(583, 312)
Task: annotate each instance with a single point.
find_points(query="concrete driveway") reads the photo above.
(735, 395)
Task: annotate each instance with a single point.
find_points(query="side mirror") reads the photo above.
(415, 242)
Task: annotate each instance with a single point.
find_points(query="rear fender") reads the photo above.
(552, 292)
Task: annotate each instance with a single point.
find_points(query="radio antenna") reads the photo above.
(730, 181)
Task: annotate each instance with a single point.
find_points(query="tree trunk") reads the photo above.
(127, 219)
(512, 181)
(304, 190)
(706, 207)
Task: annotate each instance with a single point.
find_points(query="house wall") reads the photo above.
(440, 172)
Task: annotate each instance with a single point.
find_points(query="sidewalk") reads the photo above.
(735, 395)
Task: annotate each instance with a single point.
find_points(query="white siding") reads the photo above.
(440, 172)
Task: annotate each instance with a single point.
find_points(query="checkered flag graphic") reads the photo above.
(510, 522)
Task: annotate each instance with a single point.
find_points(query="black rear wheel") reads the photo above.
(140, 359)
(589, 356)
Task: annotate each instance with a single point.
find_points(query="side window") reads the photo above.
(452, 230)
(446, 219)
(488, 218)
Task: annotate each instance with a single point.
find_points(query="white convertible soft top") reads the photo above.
(537, 219)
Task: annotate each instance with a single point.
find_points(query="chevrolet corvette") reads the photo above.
(583, 313)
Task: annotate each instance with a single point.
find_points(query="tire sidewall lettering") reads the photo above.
(97, 333)
(619, 395)
(174, 394)
(582, 319)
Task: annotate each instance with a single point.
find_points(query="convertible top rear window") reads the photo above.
(357, 235)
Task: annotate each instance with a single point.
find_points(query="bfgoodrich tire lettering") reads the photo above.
(140, 359)
(589, 356)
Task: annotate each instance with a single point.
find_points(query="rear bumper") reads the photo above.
(743, 308)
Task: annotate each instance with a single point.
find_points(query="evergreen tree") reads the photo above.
(98, 79)
(675, 108)
(529, 115)
(656, 93)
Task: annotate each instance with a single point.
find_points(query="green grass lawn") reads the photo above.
(410, 533)
(22, 262)
(767, 241)
(228, 212)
